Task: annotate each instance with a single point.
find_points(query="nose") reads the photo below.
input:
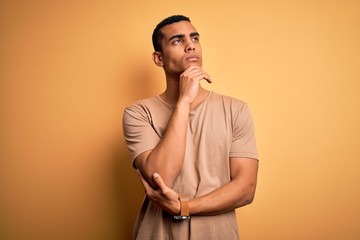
(190, 46)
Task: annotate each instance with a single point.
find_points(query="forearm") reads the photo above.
(168, 156)
(226, 198)
(238, 192)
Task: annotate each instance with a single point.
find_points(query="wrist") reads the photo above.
(182, 104)
(184, 209)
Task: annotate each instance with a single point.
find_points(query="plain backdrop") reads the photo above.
(68, 69)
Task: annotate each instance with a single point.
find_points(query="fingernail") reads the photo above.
(155, 175)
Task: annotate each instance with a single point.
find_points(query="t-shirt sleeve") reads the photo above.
(243, 142)
(138, 131)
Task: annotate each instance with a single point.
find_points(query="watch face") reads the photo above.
(181, 217)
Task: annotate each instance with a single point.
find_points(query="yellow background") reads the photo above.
(68, 69)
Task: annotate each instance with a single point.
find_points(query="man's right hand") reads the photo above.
(168, 156)
(189, 83)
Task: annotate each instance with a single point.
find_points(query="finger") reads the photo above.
(207, 78)
(191, 70)
(198, 73)
(159, 181)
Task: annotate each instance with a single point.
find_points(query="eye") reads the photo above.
(195, 39)
(177, 41)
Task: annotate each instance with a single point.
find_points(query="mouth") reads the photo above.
(192, 58)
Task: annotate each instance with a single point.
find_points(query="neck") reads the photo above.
(171, 94)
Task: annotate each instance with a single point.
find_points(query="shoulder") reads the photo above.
(142, 104)
(140, 108)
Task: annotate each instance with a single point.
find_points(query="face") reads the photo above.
(180, 48)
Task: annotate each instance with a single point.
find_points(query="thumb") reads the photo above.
(159, 181)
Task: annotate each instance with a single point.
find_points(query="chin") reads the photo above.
(194, 64)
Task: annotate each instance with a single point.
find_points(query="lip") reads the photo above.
(192, 58)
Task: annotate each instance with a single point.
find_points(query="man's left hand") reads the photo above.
(164, 197)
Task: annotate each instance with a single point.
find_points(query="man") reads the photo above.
(194, 150)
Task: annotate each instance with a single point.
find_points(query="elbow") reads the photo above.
(248, 197)
(149, 167)
(168, 179)
(245, 201)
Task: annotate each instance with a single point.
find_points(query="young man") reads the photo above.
(194, 150)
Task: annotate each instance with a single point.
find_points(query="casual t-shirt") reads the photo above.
(219, 128)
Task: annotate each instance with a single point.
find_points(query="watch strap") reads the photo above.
(184, 209)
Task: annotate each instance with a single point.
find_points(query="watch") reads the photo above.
(184, 209)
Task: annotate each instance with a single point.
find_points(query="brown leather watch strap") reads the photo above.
(184, 208)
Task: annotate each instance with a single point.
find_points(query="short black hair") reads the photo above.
(158, 35)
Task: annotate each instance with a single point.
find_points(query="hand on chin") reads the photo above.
(188, 64)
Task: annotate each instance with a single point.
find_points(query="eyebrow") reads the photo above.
(183, 35)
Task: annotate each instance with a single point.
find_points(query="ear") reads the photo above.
(157, 58)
